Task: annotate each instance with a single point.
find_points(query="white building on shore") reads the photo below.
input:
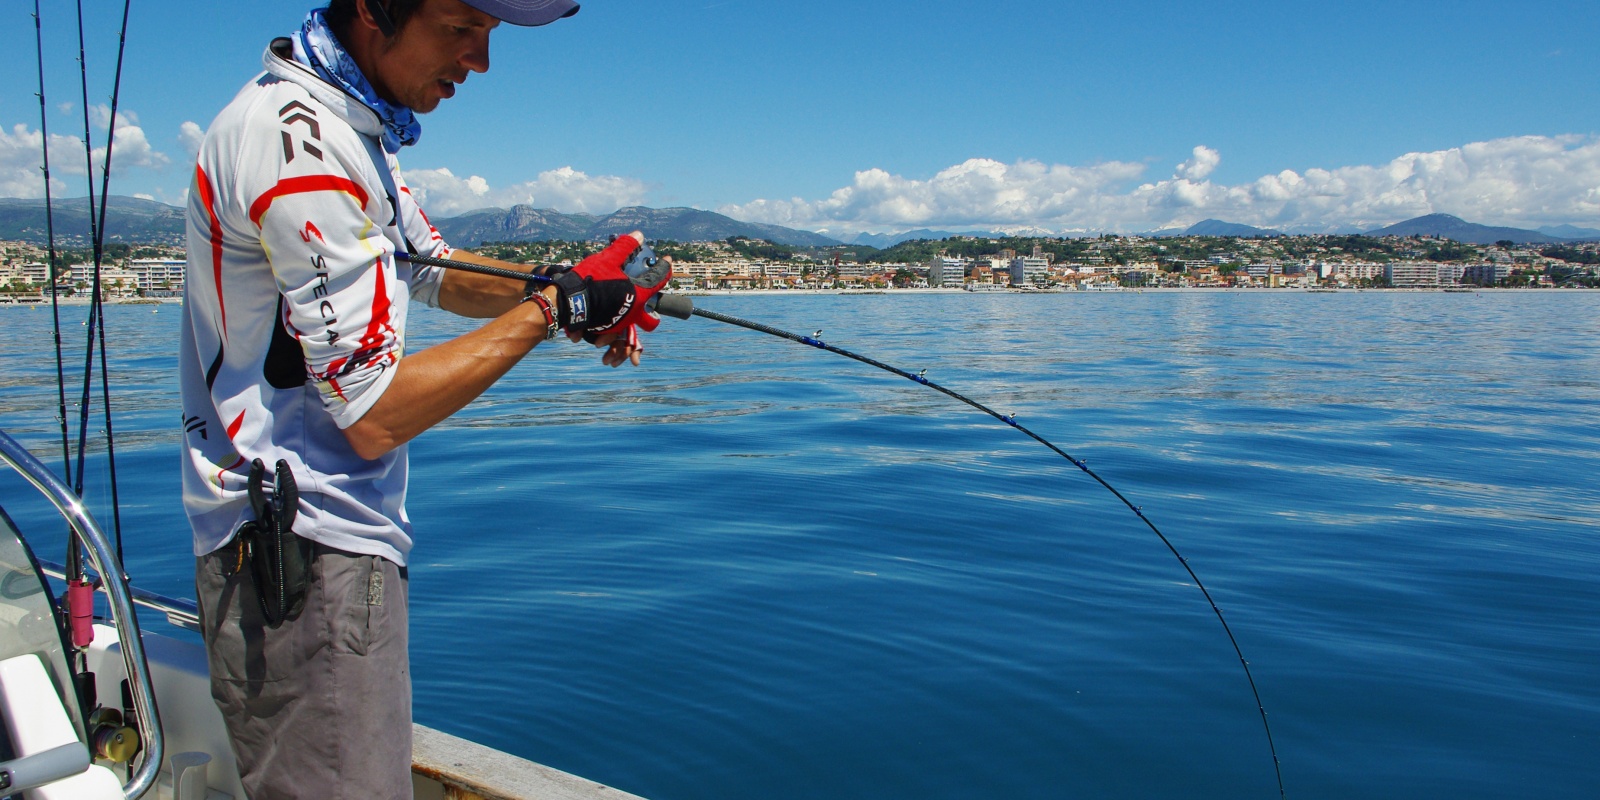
(1412, 274)
(153, 276)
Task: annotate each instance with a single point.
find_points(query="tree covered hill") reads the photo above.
(1453, 227)
(525, 223)
(129, 220)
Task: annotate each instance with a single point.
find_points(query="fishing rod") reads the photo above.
(99, 249)
(78, 612)
(80, 594)
(682, 307)
(74, 560)
(96, 321)
(50, 238)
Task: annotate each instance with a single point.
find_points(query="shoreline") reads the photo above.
(82, 301)
(162, 301)
(1116, 290)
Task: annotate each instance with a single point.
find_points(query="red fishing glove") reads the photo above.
(609, 292)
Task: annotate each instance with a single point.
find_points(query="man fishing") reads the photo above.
(299, 393)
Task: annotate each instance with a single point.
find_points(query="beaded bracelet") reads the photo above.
(551, 326)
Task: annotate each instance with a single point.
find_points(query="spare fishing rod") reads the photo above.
(99, 250)
(78, 626)
(50, 239)
(73, 562)
(682, 307)
(96, 321)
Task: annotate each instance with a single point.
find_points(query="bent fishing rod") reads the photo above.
(682, 307)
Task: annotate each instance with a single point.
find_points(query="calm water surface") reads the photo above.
(753, 569)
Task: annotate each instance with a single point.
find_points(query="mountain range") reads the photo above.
(128, 219)
(525, 223)
(884, 241)
(1458, 229)
(1444, 225)
(135, 220)
(1571, 232)
(1216, 227)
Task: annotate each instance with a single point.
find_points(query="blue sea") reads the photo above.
(752, 569)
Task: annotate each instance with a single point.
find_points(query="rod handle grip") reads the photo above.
(677, 306)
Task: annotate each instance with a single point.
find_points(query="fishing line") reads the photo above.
(682, 307)
(1011, 420)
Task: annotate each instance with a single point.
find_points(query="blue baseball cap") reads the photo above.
(525, 12)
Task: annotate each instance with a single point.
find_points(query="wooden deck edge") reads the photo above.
(471, 771)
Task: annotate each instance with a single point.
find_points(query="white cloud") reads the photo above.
(1204, 163)
(130, 147)
(565, 189)
(21, 159)
(190, 135)
(979, 191)
(1522, 181)
(21, 162)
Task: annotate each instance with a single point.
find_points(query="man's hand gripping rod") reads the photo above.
(676, 306)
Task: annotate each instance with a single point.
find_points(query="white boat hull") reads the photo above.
(444, 767)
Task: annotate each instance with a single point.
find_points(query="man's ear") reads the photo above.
(378, 16)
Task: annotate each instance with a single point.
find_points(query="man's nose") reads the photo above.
(476, 58)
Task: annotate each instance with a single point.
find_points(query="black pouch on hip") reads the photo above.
(279, 559)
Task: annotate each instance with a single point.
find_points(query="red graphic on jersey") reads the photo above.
(208, 199)
(373, 347)
(300, 185)
(233, 427)
(233, 430)
(378, 328)
(310, 231)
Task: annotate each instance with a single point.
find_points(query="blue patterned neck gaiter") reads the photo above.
(316, 47)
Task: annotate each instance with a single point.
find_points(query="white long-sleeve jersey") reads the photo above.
(295, 310)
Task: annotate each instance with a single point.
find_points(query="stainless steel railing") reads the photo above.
(105, 563)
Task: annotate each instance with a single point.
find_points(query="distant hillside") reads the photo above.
(128, 219)
(1571, 232)
(524, 224)
(694, 225)
(884, 241)
(1216, 227)
(134, 221)
(1458, 229)
(520, 224)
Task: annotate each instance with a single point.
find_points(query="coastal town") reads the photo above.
(156, 272)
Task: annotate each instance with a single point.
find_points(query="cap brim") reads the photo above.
(525, 12)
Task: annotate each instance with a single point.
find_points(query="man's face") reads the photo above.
(440, 43)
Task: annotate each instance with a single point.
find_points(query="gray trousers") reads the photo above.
(321, 706)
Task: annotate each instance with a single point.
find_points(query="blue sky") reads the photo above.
(892, 115)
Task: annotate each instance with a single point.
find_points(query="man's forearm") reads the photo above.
(469, 294)
(435, 383)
